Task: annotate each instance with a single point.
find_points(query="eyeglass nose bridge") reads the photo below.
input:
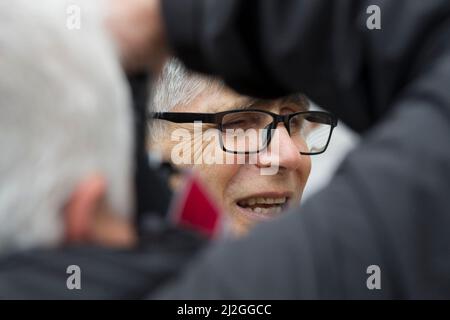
(285, 119)
(277, 118)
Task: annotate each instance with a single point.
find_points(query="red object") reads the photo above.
(195, 210)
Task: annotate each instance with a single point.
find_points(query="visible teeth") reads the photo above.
(271, 210)
(279, 200)
(261, 200)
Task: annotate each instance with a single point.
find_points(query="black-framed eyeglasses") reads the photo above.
(251, 130)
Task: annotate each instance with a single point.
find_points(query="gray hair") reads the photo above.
(177, 87)
(64, 114)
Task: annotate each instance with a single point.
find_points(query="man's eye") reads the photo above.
(235, 124)
(296, 123)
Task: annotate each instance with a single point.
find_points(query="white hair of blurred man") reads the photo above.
(64, 113)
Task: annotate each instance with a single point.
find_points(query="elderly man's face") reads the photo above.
(246, 195)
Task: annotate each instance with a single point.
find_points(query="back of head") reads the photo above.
(64, 113)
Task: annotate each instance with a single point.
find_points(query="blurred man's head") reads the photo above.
(246, 195)
(65, 130)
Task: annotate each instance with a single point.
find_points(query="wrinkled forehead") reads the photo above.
(212, 101)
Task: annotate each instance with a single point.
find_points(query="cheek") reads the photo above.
(304, 171)
(217, 179)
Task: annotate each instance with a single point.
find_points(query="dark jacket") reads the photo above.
(105, 273)
(389, 202)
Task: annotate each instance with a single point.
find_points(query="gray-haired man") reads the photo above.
(65, 165)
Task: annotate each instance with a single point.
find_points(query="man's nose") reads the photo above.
(281, 149)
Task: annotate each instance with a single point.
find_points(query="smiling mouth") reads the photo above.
(263, 207)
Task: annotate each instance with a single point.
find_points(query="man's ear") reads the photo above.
(82, 207)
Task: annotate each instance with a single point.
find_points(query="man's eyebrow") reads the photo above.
(248, 104)
(299, 100)
(241, 104)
